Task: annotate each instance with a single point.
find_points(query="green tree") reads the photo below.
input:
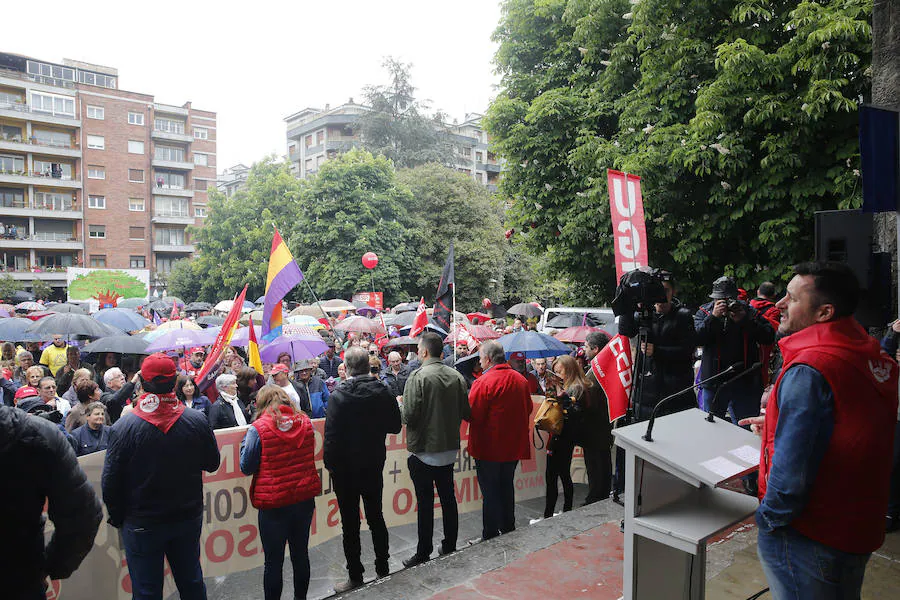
(8, 286)
(41, 289)
(398, 125)
(740, 117)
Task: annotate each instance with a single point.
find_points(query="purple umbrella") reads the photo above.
(300, 347)
(181, 338)
(241, 337)
(367, 311)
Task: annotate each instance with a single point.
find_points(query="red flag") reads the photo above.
(206, 375)
(612, 368)
(421, 321)
(627, 214)
(174, 310)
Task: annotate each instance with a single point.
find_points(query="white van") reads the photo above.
(559, 317)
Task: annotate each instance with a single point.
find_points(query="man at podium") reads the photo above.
(827, 438)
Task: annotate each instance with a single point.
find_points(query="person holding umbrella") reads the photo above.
(65, 375)
(118, 392)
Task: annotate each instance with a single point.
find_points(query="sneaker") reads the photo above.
(414, 560)
(350, 584)
(444, 551)
(533, 521)
(474, 541)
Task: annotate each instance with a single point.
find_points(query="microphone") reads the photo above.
(712, 405)
(735, 367)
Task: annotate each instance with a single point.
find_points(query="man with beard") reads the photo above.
(192, 363)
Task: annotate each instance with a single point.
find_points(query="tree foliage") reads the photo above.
(398, 125)
(8, 286)
(41, 289)
(739, 116)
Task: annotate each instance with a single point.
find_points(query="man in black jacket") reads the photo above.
(360, 414)
(39, 465)
(153, 486)
(667, 354)
(118, 392)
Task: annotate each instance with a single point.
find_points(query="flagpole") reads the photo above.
(453, 320)
(319, 304)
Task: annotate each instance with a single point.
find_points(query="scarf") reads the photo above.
(161, 411)
(238, 413)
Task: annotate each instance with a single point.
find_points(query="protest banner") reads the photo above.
(373, 299)
(626, 209)
(229, 541)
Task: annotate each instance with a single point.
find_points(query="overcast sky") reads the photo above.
(257, 62)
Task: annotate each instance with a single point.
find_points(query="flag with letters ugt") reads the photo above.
(612, 367)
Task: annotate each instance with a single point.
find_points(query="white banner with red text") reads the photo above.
(626, 209)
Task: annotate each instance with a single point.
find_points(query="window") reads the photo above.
(97, 202)
(135, 118)
(42, 70)
(164, 264)
(12, 198)
(97, 79)
(200, 159)
(320, 137)
(96, 142)
(136, 204)
(95, 172)
(307, 141)
(97, 232)
(137, 262)
(172, 153)
(200, 211)
(45, 137)
(53, 201)
(10, 132)
(95, 112)
(136, 175)
(169, 181)
(98, 261)
(135, 147)
(308, 165)
(11, 164)
(171, 207)
(201, 133)
(56, 105)
(170, 237)
(168, 125)
(135, 233)
(48, 168)
(10, 97)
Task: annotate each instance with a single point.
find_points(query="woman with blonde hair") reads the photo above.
(279, 451)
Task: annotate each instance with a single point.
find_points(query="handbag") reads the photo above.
(550, 416)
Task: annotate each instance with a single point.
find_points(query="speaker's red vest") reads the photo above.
(848, 500)
(287, 470)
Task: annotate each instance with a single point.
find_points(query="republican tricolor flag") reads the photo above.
(281, 278)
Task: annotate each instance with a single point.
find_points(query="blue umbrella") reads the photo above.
(533, 344)
(298, 346)
(121, 318)
(13, 330)
(261, 299)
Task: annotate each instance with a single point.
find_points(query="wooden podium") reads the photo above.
(673, 503)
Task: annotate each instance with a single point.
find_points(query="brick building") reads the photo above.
(91, 175)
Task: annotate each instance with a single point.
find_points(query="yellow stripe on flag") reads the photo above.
(253, 358)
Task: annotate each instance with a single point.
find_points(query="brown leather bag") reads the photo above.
(550, 416)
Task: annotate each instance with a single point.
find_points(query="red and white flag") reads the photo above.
(421, 321)
(612, 368)
(174, 310)
(626, 209)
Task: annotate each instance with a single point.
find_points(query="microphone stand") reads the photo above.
(712, 405)
(647, 437)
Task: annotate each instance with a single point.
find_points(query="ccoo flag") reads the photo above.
(283, 275)
(253, 358)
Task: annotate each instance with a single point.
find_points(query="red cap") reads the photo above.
(26, 392)
(157, 366)
(279, 368)
(517, 356)
(197, 349)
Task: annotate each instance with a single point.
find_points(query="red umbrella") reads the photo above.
(575, 335)
(479, 332)
(479, 315)
(360, 325)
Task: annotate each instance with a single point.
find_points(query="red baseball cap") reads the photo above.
(157, 367)
(25, 392)
(517, 356)
(279, 368)
(199, 349)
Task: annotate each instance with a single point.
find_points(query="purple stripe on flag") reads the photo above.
(281, 284)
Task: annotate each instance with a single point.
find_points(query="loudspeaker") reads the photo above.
(847, 236)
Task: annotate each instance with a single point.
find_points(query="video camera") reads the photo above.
(639, 291)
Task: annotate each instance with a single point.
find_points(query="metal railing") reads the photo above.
(40, 205)
(41, 174)
(25, 108)
(37, 78)
(49, 236)
(171, 213)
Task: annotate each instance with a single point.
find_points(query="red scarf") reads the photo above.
(160, 410)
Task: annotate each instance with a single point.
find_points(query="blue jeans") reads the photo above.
(277, 527)
(498, 512)
(798, 568)
(179, 544)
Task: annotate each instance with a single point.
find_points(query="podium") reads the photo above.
(673, 503)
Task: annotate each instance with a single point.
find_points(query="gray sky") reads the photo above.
(256, 62)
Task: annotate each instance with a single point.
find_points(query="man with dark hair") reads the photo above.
(153, 487)
(828, 428)
(360, 414)
(764, 303)
(434, 405)
(330, 361)
(40, 466)
(593, 343)
(498, 436)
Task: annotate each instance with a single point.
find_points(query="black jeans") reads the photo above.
(498, 513)
(559, 466)
(277, 527)
(147, 549)
(349, 486)
(425, 479)
(599, 471)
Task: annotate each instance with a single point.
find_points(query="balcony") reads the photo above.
(17, 144)
(167, 190)
(344, 145)
(173, 248)
(21, 111)
(45, 210)
(492, 167)
(172, 164)
(55, 274)
(172, 217)
(312, 150)
(35, 178)
(43, 241)
(170, 110)
(171, 136)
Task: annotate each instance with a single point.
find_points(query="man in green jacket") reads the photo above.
(435, 403)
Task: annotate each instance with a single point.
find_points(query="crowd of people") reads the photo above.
(157, 428)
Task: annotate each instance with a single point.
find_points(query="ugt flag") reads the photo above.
(281, 278)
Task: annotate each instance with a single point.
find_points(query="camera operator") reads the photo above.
(730, 330)
(667, 354)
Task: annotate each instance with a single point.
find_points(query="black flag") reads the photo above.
(443, 304)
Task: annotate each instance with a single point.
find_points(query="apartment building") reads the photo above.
(232, 179)
(315, 135)
(91, 175)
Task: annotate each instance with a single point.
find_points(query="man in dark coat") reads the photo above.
(330, 361)
(118, 392)
(153, 485)
(40, 466)
(360, 414)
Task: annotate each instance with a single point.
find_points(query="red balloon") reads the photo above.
(370, 260)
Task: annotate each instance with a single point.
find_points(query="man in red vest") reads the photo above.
(827, 436)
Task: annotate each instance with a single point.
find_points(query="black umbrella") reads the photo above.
(402, 341)
(404, 319)
(70, 325)
(120, 344)
(13, 330)
(197, 307)
(525, 309)
(21, 296)
(210, 320)
(68, 308)
(466, 365)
